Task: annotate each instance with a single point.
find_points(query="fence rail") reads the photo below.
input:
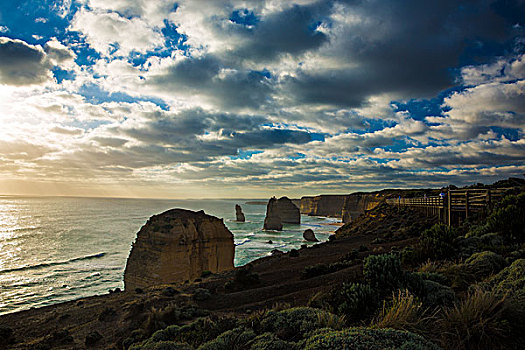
(453, 204)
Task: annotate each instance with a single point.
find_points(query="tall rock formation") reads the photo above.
(323, 205)
(178, 245)
(279, 211)
(357, 203)
(239, 215)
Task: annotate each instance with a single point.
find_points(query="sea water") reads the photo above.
(55, 249)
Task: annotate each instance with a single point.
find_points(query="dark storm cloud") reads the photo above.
(406, 48)
(292, 31)
(210, 77)
(195, 135)
(22, 64)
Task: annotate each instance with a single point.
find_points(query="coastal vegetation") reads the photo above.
(454, 288)
(392, 278)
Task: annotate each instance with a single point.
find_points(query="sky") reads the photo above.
(249, 99)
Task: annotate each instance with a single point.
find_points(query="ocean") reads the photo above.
(55, 249)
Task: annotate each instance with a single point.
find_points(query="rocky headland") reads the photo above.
(176, 246)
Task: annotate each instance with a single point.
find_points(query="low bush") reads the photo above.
(383, 272)
(165, 345)
(244, 278)
(437, 242)
(235, 339)
(293, 324)
(506, 219)
(509, 218)
(356, 301)
(510, 281)
(367, 339)
(269, 341)
(484, 264)
(194, 334)
(430, 292)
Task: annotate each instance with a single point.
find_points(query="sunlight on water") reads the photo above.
(59, 249)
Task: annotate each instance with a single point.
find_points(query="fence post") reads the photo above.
(466, 204)
(449, 200)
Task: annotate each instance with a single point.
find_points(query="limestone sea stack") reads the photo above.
(176, 246)
(309, 235)
(279, 211)
(239, 215)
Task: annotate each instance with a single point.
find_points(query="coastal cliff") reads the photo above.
(356, 204)
(323, 205)
(176, 246)
(279, 211)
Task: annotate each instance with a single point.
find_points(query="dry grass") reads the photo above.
(429, 266)
(477, 322)
(330, 320)
(406, 313)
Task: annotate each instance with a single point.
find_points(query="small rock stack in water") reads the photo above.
(178, 245)
(239, 215)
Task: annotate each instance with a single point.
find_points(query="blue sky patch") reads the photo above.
(244, 17)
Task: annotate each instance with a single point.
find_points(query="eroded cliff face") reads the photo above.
(279, 211)
(356, 204)
(323, 205)
(178, 245)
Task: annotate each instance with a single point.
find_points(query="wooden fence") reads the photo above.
(453, 206)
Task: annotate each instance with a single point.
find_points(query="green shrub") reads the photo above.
(510, 281)
(367, 339)
(437, 242)
(383, 272)
(164, 345)
(430, 292)
(244, 278)
(484, 264)
(269, 341)
(292, 324)
(506, 219)
(235, 339)
(356, 301)
(201, 294)
(509, 218)
(195, 333)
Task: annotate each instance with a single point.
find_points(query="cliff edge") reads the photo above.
(176, 246)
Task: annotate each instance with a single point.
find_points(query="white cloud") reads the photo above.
(109, 33)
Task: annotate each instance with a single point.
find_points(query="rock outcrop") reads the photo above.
(357, 203)
(279, 211)
(176, 246)
(323, 205)
(239, 215)
(309, 235)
